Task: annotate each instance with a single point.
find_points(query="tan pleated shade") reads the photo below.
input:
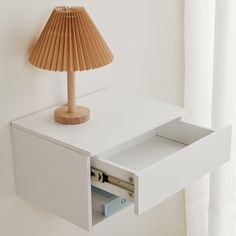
(70, 41)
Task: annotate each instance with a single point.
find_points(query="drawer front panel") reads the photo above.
(168, 176)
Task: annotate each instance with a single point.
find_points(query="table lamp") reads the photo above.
(70, 42)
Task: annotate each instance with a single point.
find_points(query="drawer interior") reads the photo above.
(159, 144)
(146, 153)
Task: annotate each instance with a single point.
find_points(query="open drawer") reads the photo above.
(162, 162)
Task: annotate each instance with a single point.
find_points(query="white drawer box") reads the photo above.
(174, 156)
(126, 138)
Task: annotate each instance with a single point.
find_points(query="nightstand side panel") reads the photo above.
(53, 177)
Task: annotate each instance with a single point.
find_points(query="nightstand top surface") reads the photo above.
(115, 119)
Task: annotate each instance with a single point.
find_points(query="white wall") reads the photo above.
(146, 37)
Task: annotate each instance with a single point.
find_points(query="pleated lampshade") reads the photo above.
(70, 41)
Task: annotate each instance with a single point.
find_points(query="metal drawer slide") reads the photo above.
(102, 177)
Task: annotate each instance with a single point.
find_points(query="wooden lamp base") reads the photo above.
(63, 116)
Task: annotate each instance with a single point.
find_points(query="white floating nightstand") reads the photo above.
(133, 147)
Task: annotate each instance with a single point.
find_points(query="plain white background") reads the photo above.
(146, 37)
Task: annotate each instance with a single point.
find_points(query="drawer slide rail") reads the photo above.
(102, 177)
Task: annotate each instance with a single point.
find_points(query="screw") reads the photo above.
(131, 180)
(131, 195)
(123, 201)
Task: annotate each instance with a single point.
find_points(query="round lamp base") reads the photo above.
(81, 115)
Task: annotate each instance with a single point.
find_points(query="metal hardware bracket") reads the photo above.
(102, 177)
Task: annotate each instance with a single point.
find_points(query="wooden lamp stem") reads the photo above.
(71, 91)
(71, 114)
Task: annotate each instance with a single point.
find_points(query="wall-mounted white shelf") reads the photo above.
(129, 138)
